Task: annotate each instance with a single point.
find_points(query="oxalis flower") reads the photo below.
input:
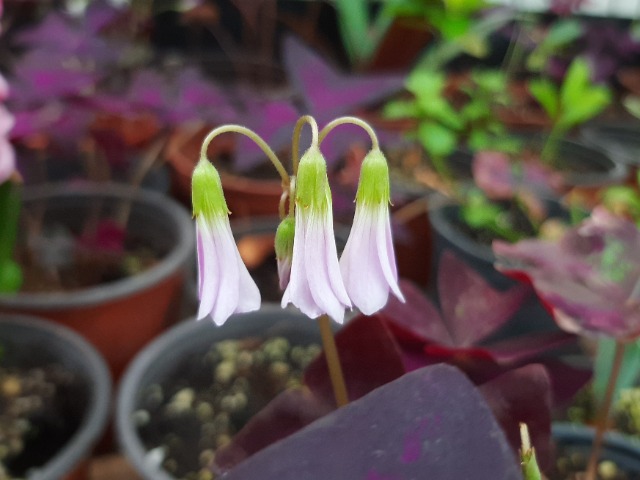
(315, 285)
(224, 284)
(284, 250)
(368, 262)
(7, 155)
(590, 278)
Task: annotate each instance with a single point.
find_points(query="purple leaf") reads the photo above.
(590, 278)
(517, 351)
(328, 93)
(523, 395)
(497, 175)
(42, 76)
(369, 356)
(149, 89)
(417, 319)
(99, 15)
(286, 414)
(471, 307)
(54, 32)
(431, 420)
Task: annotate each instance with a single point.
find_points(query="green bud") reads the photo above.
(373, 187)
(284, 238)
(530, 469)
(312, 184)
(206, 191)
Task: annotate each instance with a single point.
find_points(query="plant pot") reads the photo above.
(448, 235)
(165, 359)
(623, 450)
(620, 141)
(245, 196)
(121, 316)
(583, 166)
(30, 342)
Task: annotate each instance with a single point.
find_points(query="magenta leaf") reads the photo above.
(328, 93)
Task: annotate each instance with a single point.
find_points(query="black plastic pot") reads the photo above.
(162, 359)
(448, 235)
(583, 165)
(29, 342)
(620, 141)
(623, 450)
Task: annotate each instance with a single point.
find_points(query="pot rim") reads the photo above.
(177, 257)
(129, 387)
(99, 380)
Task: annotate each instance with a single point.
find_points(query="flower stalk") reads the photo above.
(333, 362)
(602, 417)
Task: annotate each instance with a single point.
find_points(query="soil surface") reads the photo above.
(39, 413)
(207, 399)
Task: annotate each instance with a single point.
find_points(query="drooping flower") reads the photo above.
(284, 249)
(368, 262)
(224, 284)
(7, 155)
(315, 285)
(590, 278)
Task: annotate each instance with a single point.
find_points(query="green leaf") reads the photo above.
(629, 371)
(562, 33)
(546, 93)
(436, 139)
(591, 104)
(575, 84)
(439, 109)
(424, 83)
(401, 109)
(479, 140)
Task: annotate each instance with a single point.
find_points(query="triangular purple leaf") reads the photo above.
(523, 395)
(470, 306)
(430, 422)
(328, 93)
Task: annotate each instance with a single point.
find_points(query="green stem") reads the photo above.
(295, 140)
(603, 412)
(253, 136)
(353, 121)
(550, 147)
(333, 362)
(9, 215)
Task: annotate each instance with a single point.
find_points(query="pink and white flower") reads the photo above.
(225, 286)
(368, 263)
(7, 155)
(315, 284)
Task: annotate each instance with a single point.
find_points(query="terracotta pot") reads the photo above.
(32, 342)
(119, 317)
(245, 196)
(404, 40)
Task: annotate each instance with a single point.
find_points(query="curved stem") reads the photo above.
(354, 121)
(292, 196)
(603, 412)
(295, 140)
(253, 136)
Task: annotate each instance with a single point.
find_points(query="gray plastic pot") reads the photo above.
(162, 359)
(32, 342)
(118, 317)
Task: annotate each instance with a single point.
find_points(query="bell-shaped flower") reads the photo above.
(315, 285)
(590, 279)
(368, 263)
(224, 284)
(284, 249)
(7, 155)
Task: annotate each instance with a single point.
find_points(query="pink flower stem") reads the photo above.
(333, 362)
(603, 412)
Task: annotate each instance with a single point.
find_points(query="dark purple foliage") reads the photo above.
(432, 421)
